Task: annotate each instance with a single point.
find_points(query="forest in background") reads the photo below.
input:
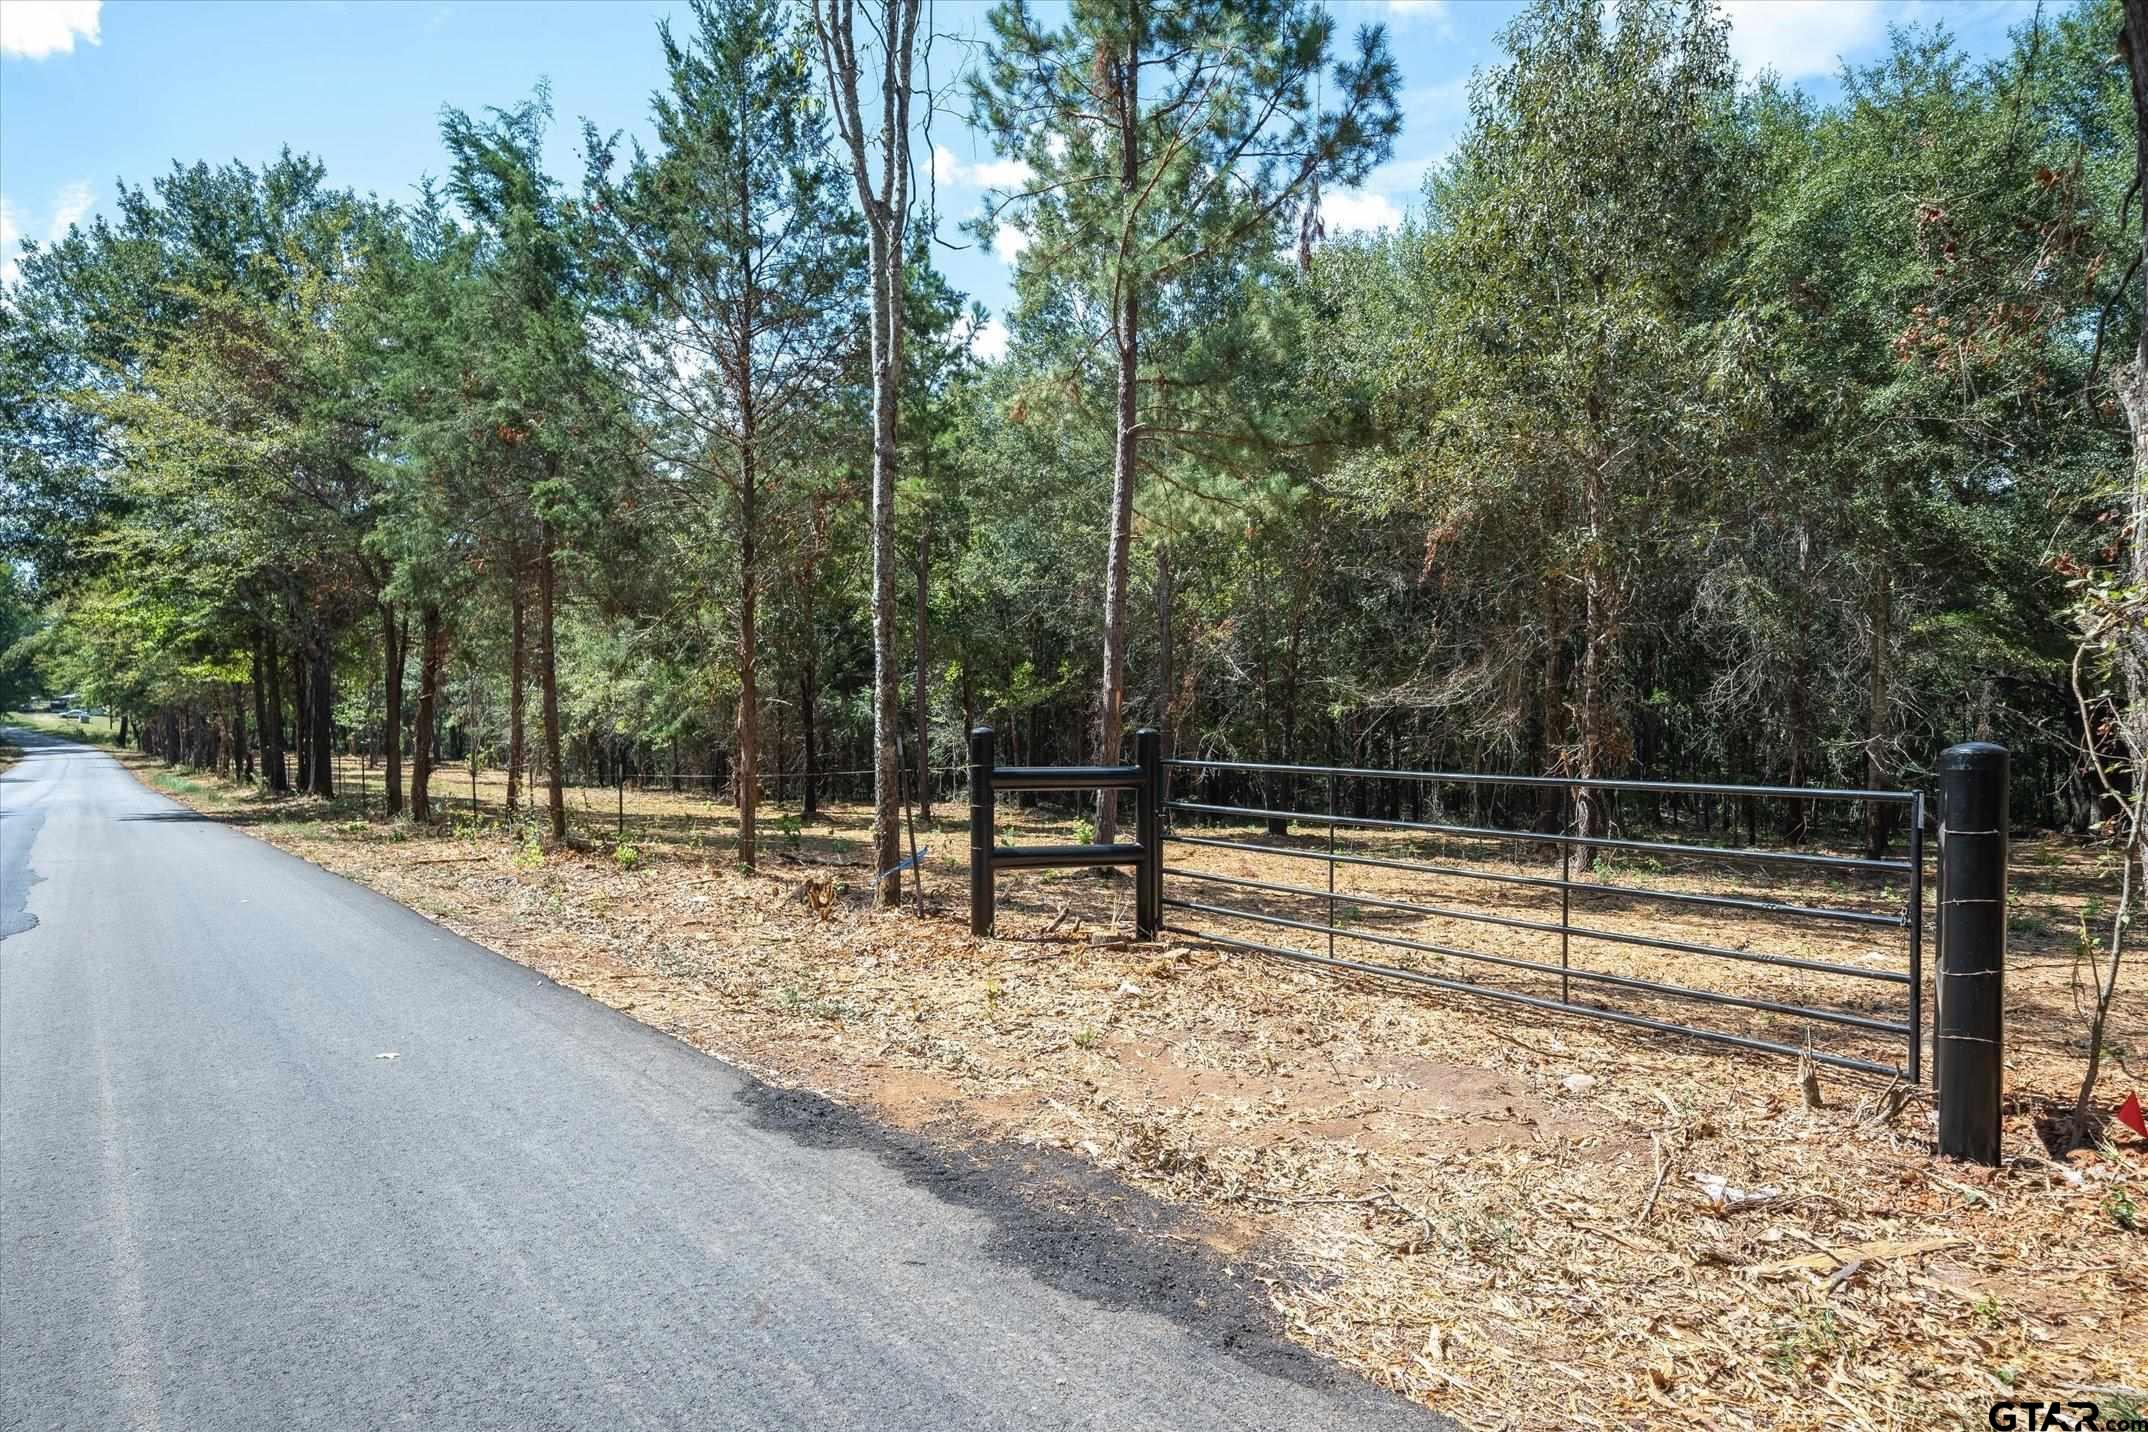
(1689, 428)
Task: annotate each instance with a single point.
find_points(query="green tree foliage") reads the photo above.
(530, 388)
(1688, 428)
(1166, 141)
(726, 267)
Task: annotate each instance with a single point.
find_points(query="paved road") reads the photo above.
(221, 1209)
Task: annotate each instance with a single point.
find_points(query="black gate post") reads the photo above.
(981, 830)
(1148, 829)
(1968, 1036)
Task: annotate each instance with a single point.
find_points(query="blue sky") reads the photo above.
(92, 93)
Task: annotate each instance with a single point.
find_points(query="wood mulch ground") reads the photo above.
(1518, 1217)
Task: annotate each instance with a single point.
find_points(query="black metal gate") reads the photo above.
(1144, 778)
(1856, 894)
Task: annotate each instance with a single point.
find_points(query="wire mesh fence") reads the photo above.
(650, 802)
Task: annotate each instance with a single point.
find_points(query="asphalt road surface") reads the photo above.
(224, 1208)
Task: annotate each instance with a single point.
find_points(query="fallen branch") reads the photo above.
(1663, 1171)
(1831, 1259)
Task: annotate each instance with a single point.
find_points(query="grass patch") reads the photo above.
(97, 731)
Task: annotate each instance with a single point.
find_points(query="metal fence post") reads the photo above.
(1566, 894)
(981, 830)
(1148, 828)
(1334, 785)
(1916, 938)
(1968, 1036)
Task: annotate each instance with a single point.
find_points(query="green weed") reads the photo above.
(2124, 1209)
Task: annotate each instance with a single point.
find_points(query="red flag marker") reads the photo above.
(2129, 1114)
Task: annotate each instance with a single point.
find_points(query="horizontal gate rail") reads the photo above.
(1565, 840)
(1467, 987)
(1530, 837)
(1064, 857)
(1550, 882)
(1427, 947)
(1480, 778)
(1145, 854)
(1578, 932)
(1066, 778)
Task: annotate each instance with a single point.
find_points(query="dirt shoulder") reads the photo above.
(1496, 1212)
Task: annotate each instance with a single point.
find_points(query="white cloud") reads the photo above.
(70, 208)
(35, 29)
(1403, 12)
(1804, 39)
(10, 235)
(1403, 179)
(990, 341)
(949, 170)
(1001, 173)
(1350, 211)
(1008, 241)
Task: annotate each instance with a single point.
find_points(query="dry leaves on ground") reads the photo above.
(1520, 1219)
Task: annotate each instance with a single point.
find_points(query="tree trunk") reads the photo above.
(1597, 744)
(923, 720)
(393, 636)
(279, 778)
(749, 475)
(432, 656)
(1797, 822)
(253, 676)
(969, 691)
(887, 704)
(749, 694)
(517, 677)
(548, 678)
(1163, 645)
(302, 718)
(242, 765)
(1118, 553)
(1551, 810)
(323, 711)
(885, 202)
(808, 720)
(1879, 709)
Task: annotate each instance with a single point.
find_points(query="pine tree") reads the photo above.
(726, 266)
(1165, 139)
